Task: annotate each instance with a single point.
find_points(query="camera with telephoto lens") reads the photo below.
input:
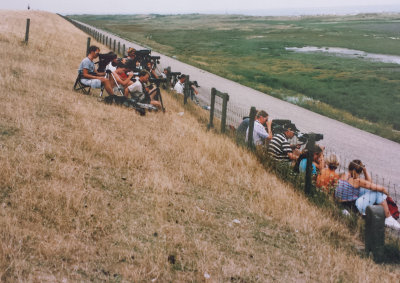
(158, 81)
(131, 65)
(193, 83)
(303, 138)
(104, 60)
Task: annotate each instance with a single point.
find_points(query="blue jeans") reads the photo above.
(368, 197)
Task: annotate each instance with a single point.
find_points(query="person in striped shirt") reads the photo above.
(279, 147)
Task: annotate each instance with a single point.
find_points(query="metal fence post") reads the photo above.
(28, 23)
(186, 90)
(87, 46)
(375, 231)
(224, 109)
(115, 43)
(119, 47)
(212, 105)
(310, 154)
(253, 113)
(123, 50)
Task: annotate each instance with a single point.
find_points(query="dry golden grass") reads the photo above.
(95, 192)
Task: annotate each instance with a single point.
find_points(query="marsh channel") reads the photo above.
(350, 53)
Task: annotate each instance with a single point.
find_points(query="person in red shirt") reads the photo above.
(328, 178)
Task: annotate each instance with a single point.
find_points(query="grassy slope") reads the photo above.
(95, 192)
(250, 50)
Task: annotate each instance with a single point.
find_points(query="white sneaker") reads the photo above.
(345, 212)
(392, 223)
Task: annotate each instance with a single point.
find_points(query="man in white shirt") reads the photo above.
(140, 93)
(260, 134)
(180, 84)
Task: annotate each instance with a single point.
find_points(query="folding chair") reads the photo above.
(80, 87)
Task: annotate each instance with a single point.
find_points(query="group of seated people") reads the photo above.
(350, 189)
(129, 75)
(134, 85)
(354, 190)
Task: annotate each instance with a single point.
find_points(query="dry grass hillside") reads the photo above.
(92, 192)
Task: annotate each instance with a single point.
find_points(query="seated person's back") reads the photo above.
(328, 177)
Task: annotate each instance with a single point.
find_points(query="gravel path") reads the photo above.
(381, 156)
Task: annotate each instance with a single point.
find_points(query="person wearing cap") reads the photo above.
(260, 134)
(180, 84)
(279, 147)
(328, 178)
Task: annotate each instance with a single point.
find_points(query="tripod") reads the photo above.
(108, 73)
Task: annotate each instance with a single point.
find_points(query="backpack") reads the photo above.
(394, 210)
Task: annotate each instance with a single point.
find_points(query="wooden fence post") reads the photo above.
(212, 105)
(224, 110)
(186, 90)
(114, 47)
(253, 113)
(169, 77)
(375, 231)
(119, 47)
(87, 46)
(123, 50)
(310, 154)
(28, 23)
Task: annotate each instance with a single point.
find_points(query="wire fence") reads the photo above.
(234, 117)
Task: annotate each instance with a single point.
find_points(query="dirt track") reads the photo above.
(381, 156)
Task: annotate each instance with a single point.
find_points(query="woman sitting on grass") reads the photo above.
(317, 162)
(361, 192)
(328, 178)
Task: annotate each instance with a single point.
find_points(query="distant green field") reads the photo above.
(251, 51)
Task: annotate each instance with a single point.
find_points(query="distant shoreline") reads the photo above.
(281, 12)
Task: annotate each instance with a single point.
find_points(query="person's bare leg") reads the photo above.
(126, 93)
(385, 208)
(156, 103)
(107, 85)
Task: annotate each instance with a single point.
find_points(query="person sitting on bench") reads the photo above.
(89, 76)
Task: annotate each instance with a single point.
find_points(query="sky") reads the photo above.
(255, 7)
